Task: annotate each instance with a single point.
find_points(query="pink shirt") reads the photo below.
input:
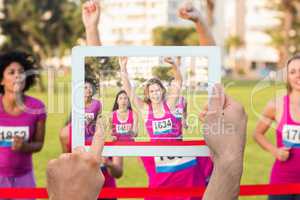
(18, 163)
(170, 171)
(91, 113)
(121, 129)
(287, 134)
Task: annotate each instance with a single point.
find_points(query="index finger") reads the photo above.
(217, 99)
(98, 140)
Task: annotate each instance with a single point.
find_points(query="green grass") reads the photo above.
(257, 162)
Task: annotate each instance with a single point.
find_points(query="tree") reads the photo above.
(174, 36)
(101, 68)
(192, 39)
(163, 73)
(45, 29)
(140, 79)
(286, 36)
(232, 44)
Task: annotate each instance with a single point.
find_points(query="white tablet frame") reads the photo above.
(212, 53)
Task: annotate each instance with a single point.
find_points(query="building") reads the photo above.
(249, 22)
(258, 19)
(130, 22)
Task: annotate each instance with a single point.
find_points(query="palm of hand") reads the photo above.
(225, 130)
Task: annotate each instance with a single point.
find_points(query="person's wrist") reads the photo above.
(197, 20)
(200, 24)
(274, 152)
(24, 146)
(91, 29)
(200, 21)
(123, 72)
(233, 166)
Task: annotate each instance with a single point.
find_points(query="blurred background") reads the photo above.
(256, 38)
(255, 35)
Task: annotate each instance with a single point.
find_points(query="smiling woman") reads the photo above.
(284, 110)
(22, 120)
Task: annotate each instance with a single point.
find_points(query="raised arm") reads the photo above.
(91, 16)
(135, 124)
(138, 102)
(176, 87)
(189, 12)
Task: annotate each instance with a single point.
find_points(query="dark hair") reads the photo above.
(93, 83)
(295, 57)
(146, 90)
(25, 60)
(116, 106)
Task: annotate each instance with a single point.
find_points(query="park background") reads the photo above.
(256, 38)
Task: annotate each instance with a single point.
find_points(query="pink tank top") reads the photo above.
(287, 134)
(121, 129)
(163, 128)
(170, 171)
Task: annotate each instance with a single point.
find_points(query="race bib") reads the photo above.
(162, 126)
(291, 136)
(123, 128)
(173, 164)
(89, 117)
(8, 132)
(178, 113)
